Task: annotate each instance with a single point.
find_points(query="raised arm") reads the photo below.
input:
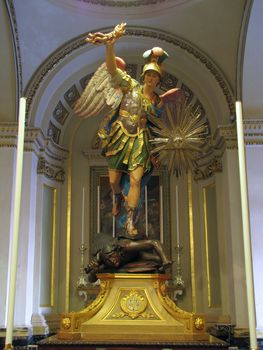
(111, 59)
(108, 39)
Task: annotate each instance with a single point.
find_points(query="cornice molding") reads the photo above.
(93, 154)
(50, 156)
(50, 171)
(122, 3)
(253, 133)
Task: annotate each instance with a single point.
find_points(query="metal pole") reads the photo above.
(246, 228)
(16, 218)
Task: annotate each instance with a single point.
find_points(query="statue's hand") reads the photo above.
(119, 30)
(93, 265)
(107, 38)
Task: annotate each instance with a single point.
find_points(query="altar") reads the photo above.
(133, 308)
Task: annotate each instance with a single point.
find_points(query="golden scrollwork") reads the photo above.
(66, 323)
(163, 288)
(98, 302)
(145, 315)
(199, 323)
(168, 303)
(133, 304)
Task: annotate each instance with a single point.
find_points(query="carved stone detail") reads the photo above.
(50, 171)
(60, 113)
(66, 323)
(133, 304)
(53, 132)
(215, 165)
(84, 81)
(168, 82)
(71, 95)
(188, 93)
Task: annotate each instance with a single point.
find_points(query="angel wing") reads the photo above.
(100, 92)
(180, 133)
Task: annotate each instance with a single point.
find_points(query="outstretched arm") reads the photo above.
(111, 59)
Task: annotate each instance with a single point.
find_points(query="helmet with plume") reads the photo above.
(153, 60)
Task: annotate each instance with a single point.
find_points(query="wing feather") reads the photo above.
(98, 94)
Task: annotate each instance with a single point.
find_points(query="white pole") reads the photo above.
(98, 209)
(246, 228)
(177, 216)
(83, 216)
(146, 210)
(16, 218)
(161, 215)
(113, 217)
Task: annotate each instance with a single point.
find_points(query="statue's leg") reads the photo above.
(115, 177)
(133, 199)
(148, 244)
(157, 246)
(135, 182)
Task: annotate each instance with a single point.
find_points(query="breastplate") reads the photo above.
(132, 116)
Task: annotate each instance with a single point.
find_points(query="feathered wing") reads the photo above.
(100, 92)
(181, 132)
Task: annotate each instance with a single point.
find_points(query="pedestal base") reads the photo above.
(134, 309)
(53, 343)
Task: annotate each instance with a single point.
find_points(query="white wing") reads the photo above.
(100, 92)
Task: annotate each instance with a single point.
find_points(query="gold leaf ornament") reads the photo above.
(199, 323)
(181, 136)
(66, 323)
(133, 304)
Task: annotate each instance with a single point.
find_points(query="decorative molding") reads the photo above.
(84, 81)
(50, 171)
(215, 165)
(122, 3)
(228, 134)
(71, 95)
(60, 113)
(51, 156)
(13, 23)
(92, 154)
(53, 132)
(168, 82)
(129, 4)
(253, 133)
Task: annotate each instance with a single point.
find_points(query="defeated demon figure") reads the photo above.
(127, 255)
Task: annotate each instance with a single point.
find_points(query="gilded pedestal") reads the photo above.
(134, 308)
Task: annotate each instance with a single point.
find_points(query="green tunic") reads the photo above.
(126, 142)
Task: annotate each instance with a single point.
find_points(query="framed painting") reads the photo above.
(154, 211)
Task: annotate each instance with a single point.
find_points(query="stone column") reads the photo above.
(232, 272)
(7, 158)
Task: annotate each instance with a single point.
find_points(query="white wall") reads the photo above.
(255, 171)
